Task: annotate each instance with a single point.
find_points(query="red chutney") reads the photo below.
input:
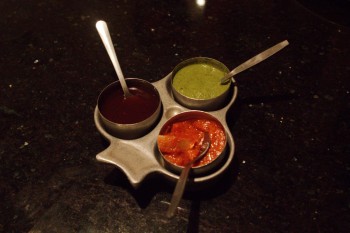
(182, 141)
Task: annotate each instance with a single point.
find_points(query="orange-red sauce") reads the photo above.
(182, 140)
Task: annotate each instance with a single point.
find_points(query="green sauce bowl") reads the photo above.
(195, 84)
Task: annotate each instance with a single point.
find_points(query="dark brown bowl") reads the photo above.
(122, 121)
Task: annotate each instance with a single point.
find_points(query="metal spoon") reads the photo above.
(180, 185)
(107, 41)
(255, 60)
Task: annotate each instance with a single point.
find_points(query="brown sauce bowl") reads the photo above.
(132, 117)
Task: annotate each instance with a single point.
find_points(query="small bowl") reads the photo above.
(196, 84)
(172, 157)
(134, 116)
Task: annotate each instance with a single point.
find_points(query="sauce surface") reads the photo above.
(182, 141)
(200, 81)
(136, 108)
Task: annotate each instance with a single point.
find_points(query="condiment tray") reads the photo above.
(138, 158)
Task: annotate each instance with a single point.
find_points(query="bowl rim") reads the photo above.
(197, 60)
(187, 115)
(129, 124)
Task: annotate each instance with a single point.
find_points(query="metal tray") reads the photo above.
(139, 157)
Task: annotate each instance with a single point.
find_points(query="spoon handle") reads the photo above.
(103, 31)
(181, 183)
(179, 190)
(255, 60)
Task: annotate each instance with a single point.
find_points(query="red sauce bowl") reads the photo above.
(181, 137)
(132, 117)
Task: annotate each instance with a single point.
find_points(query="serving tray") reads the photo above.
(139, 157)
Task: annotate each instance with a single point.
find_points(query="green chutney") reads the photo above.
(200, 81)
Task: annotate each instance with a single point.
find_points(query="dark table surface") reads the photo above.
(290, 123)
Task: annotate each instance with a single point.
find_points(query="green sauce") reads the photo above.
(200, 81)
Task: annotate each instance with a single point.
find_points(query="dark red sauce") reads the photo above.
(140, 106)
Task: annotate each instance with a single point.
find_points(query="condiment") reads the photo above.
(200, 81)
(118, 109)
(182, 140)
